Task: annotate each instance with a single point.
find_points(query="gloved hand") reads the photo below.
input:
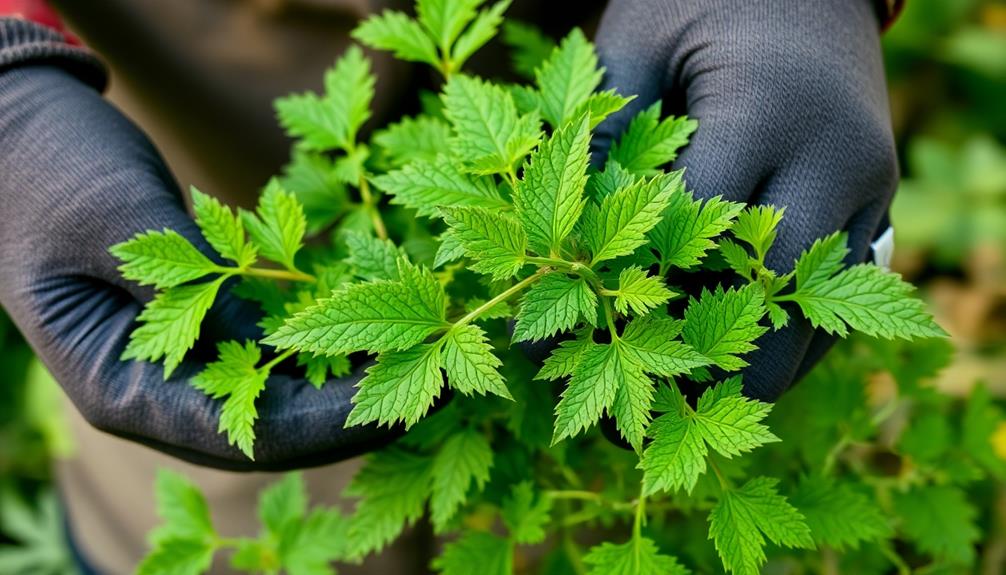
(792, 109)
(75, 178)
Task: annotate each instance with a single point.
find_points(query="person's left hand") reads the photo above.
(792, 109)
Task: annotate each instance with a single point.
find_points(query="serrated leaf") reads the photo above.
(649, 142)
(395, 32)
(639, 556)
(722, 325)
(476, 553)
(595, 382)
(600, 105)
(639, 291)
(620, 224)
(563, 359)
(495, 242)
(318, 367)
(463, 460)
(567, 78)
(549, 196)
(449, 250)
(470, 364)
(393, 486)
(528, 46)
(427, 186)
(823, 260)
(869, 300)
(940, 521)
(554, 304)
(525, 514)
(283, 503)
(838, 514)
(613, 178)
(756, 226)
(631, 407)
(177, 557)
(445, 19)
(742, 520)
(332, 121)
(373, 258)
(222, 229)
(401, 386)
(685, 234)
(376, 316)
(181, 508)
(482, 29)
(169, 325)
(413, 139)
(490, 136)
(162, 259)
(731, 423)
(234, 376)
(676, 457)
(277, 227)
(652, 340)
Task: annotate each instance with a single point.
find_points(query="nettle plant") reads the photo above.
(517, 240)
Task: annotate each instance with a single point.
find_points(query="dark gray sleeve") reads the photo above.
(76, 177)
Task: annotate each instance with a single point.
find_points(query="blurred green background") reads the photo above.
(946, 63)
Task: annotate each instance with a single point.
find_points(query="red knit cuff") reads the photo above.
(40, 12)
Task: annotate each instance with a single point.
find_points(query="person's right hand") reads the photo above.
(75, 178)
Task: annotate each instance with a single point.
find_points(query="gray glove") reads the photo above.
(75, 178)
(792, 109)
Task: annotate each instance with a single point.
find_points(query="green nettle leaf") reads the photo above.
(529, 47)
(482, 29)
(373, 258)
(742, 520)
(650, 142)
(619, 224)
(639, 291)
(185, 541)
(554, 304)
(222, 229)
(983, 420)
(397, 33)
(283, 503)
(635, 557)
(162, 259)
(170, 324)
(401, 386)
(445, 19)
(463, 460)
(864, 297)
(526, 515)
(496, 242)
(428, 185)
(563, 359)
(376, 316)
(489, 135)
(332, 122)
(940, 521)
(838, 514)
(725, 420)
(392, 487)
(567, 78)
(549, 198)
(652, 340)
(234, 375)
(476, 553)
(413, 139)
(722, 325)
(314, 181)
(278, 225)
(756, 226)
(685, 234)
(470, 364)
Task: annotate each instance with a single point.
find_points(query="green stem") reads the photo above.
(292, 275)
(609, 317)
(370, 204)
(503, 296)
(834, 452)
(640, 518)
(276, 360)
(511, 175)
(577, 268)
(575, 494)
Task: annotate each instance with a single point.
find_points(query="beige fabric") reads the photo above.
(199, 77)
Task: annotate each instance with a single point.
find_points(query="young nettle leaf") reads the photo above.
(650, 142)
(396, 32)
(838, 514)
(490, 137)
(567, 79)
(549, 197)
(724, 420)
(619, 224)
(529, 47)
(277, 227)
(496, 242)
(313, 180)
(162, 259)
(373, 258)
(476, 553)
(428, 185)
(563, 359)
(526, 514)
(419, 138)
(640, 556)
(332, 121)
(235, 376)
(745, 517)
(482, 29)
(652, 340)
(185, 541)
(470, 364)
(940, 521)
(756, 226)
(170, 324)
(222, 229)
(722, 325)
(640, 291)
(464, 459)
(401, 386)
(613, 178)
(555, 304)
(685, 234)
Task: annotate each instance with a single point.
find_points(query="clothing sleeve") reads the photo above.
(35, 37)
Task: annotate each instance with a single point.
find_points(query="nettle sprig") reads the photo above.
(518, 227)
